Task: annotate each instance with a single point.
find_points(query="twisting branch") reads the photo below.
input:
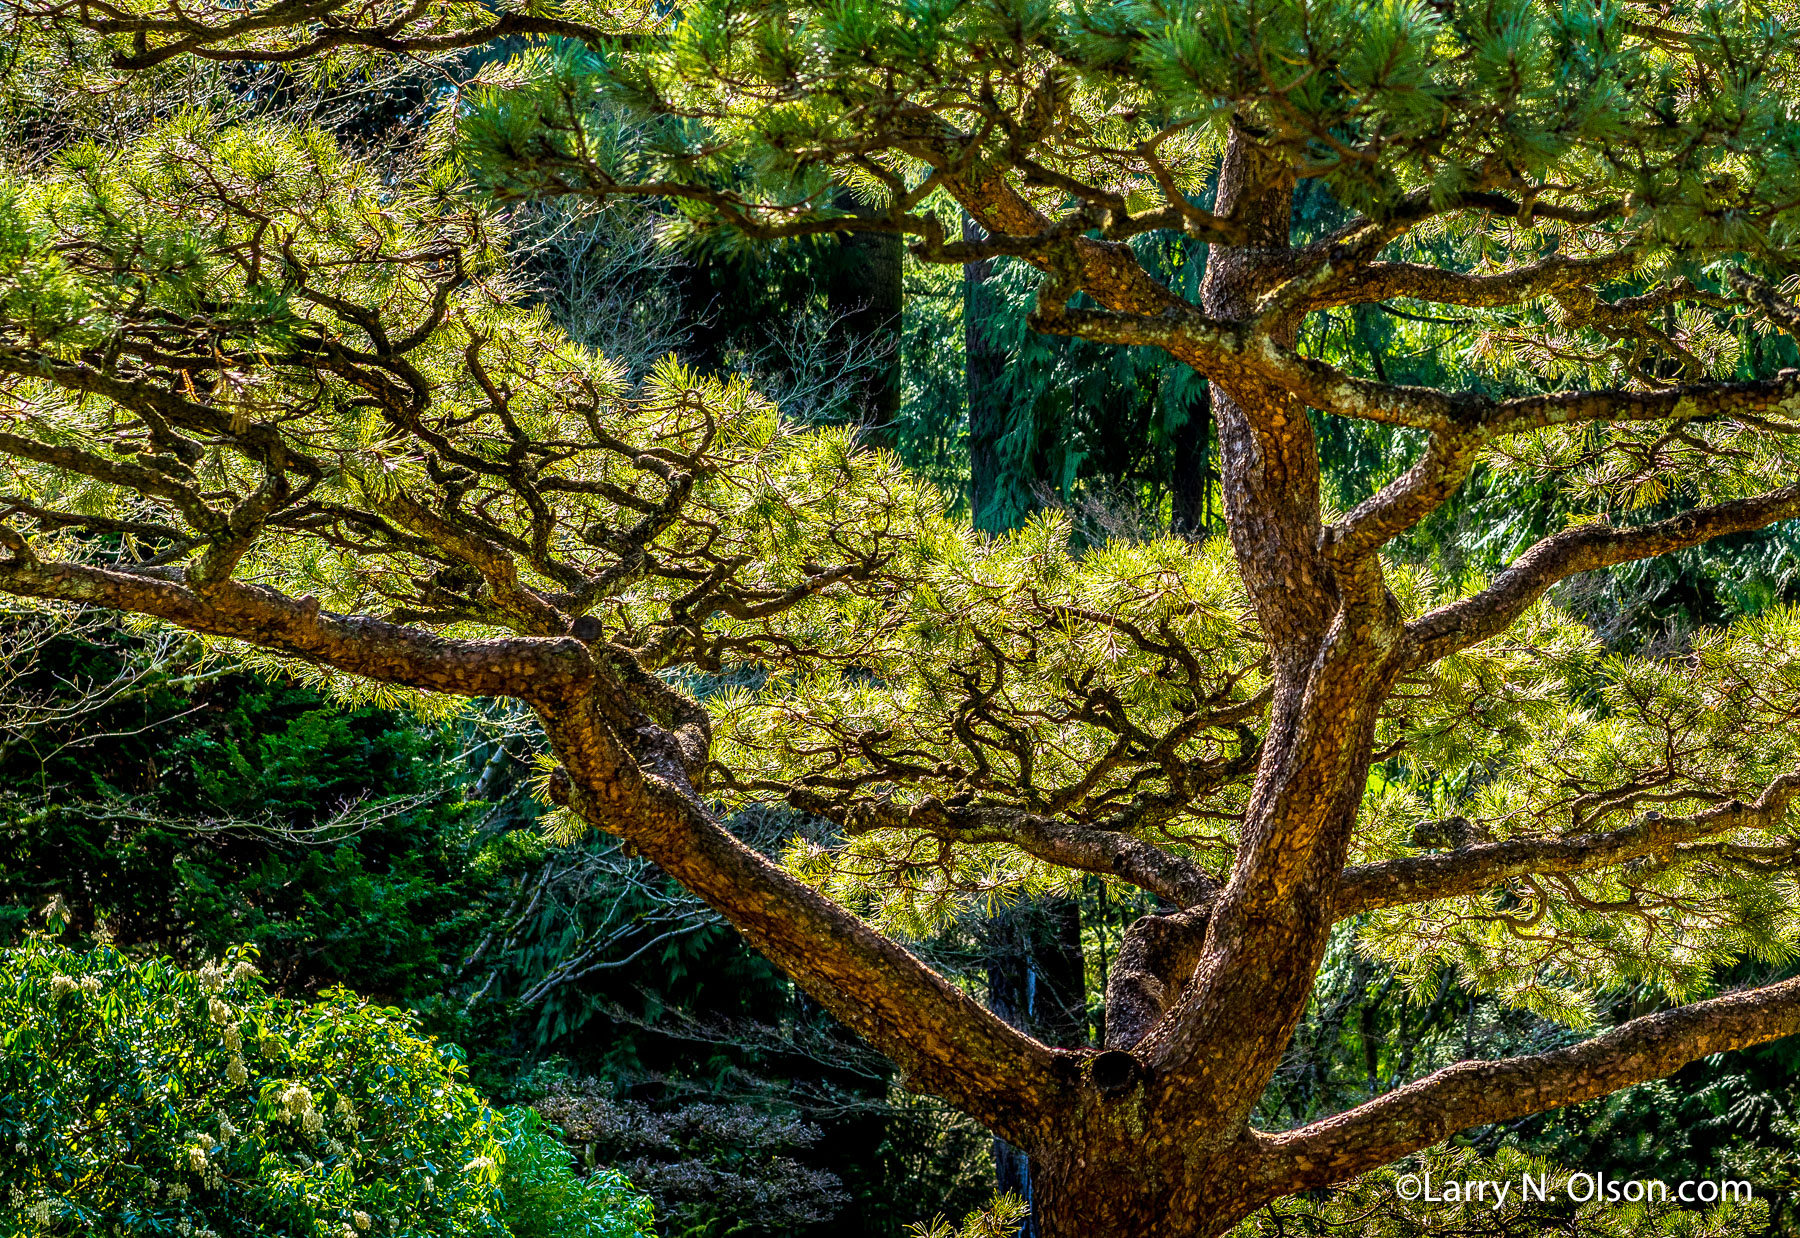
(1222, 349)
(1384, 281)
(1476, 1093)
(1770, 305)
(232, 40)
(386, 652)
(1406, 500)
(1583, 549)
(943, 1039)
(514, 601)
(1471, 869)
(1143, 864)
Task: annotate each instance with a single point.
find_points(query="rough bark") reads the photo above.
(1156, 961)
(1477, 1093)
(1483, 866)
(1169, 1113)
(941, 1038)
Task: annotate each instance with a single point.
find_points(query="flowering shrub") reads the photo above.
(139, 1098)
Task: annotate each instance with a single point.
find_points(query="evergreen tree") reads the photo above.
(255, 390)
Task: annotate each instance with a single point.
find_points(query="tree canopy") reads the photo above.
(290, 396)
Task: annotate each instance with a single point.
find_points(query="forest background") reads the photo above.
(180, 805)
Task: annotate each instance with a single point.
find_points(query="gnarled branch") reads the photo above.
(1143, 864)
(1384, 281)
(943, 1039)
(1472, 1094)
(1469, 870)
(1583, 549)
(523, 667)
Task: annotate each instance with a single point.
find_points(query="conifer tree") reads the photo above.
(257, 391)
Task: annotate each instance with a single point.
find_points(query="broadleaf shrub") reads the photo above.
(544, 1197)
(137, 1097)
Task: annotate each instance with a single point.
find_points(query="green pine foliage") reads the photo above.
(1518, 735)
(1028, 671)
(1084, 661)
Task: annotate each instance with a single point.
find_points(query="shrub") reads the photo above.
(544, 1197)
(140, 1098)
(711, 1168)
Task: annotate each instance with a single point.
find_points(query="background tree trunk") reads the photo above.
(1191, 485)
(983, 364)
(865, 293)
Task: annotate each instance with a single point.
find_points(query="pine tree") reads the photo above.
(255, 390)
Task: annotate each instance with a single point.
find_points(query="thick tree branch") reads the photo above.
(189, 36)
(1383, 281)
(1477, 1093)
(530, 669)
(1406, 500)
(1156, 960)
(943, 1039)
(1108, 270)
(1470, 870)
(1769, 305)
(1511, 200)
(1583, 549)
(1762, 398)
(1226, 351)
(152, 483)
(1142, 864)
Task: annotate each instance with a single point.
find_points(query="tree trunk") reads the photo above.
(1164, 1147)
(1191, 486)
(865, 295)
(1134, 1196)
(983, 364)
